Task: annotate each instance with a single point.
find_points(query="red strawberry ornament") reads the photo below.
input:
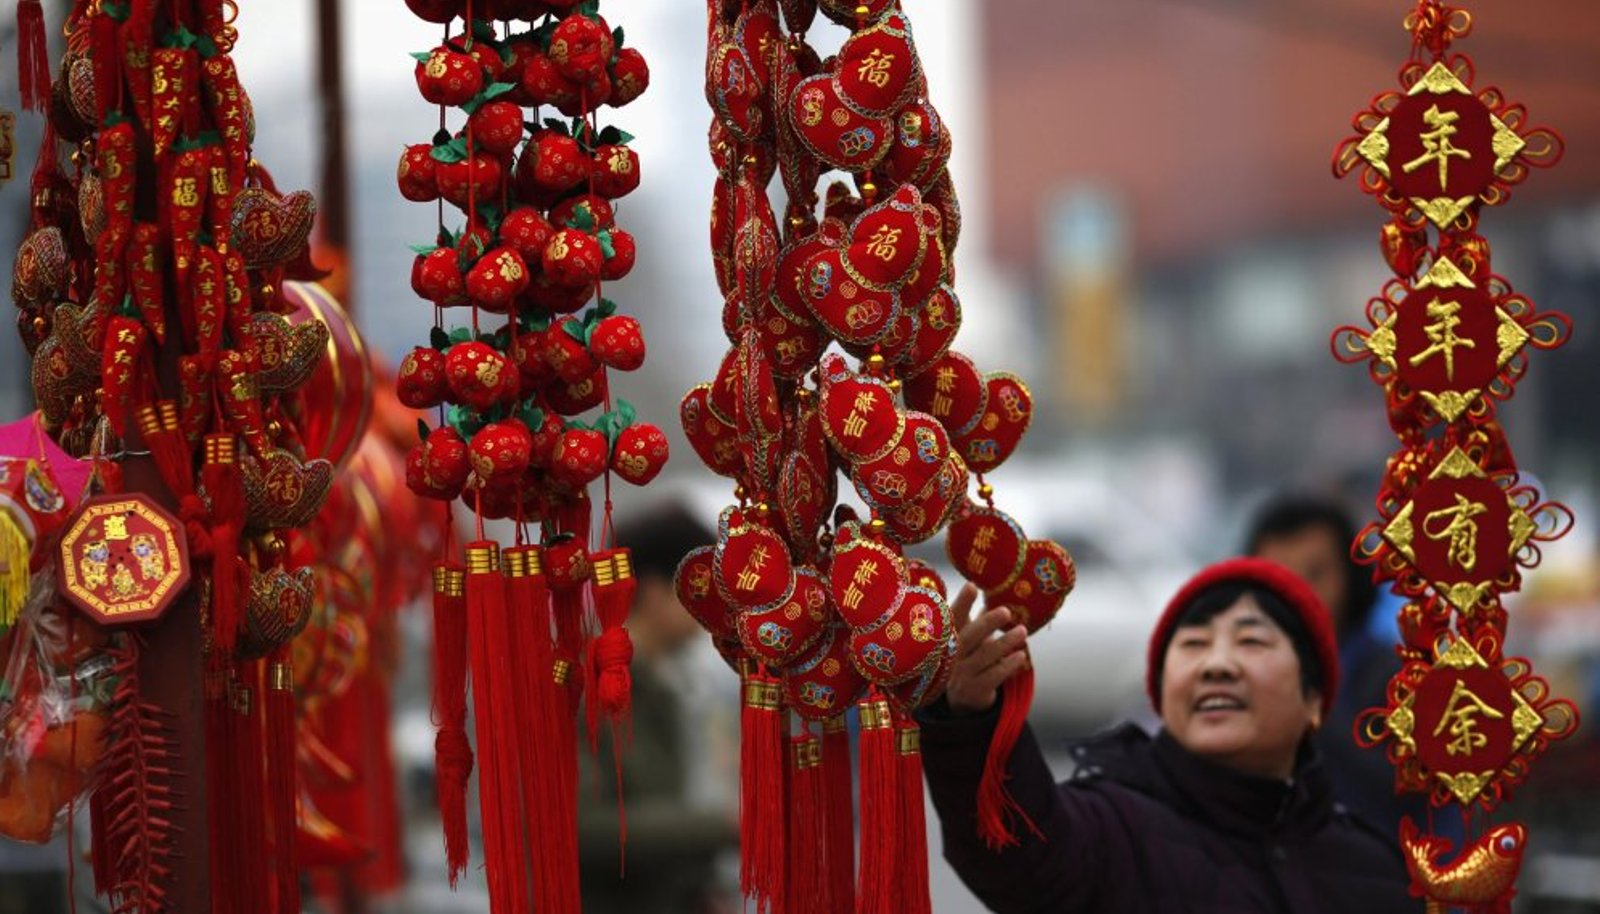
(640, 453)
(573, 258)
(439, 279)
(618, 342)
(527, 231)
(497, 279)
(496, 127)
(580, 457)
(418, 174)
(474, 178)
(616, 171)
(501, 451)
(581, 47)
(542, 83)
(565, 353)
(480, 376)
(446, 459)
(551, 163)
(448, 77)
(421, 382)
(630, 76)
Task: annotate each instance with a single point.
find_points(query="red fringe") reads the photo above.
(558, 701)
(880, 811)
(452, 751)
(281, 793)
(997, 810)
(761, 799)
(913, 869)
(839, 873)
(609, 685)
(806, 878)
(494, 714)
(223, 483)
(33, 56)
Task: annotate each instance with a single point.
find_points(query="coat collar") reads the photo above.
(1242, 804)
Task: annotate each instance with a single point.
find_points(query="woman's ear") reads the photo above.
(1314, 708)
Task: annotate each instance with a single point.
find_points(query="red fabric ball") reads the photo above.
(618, 342)
(496, 279)
(475, 178)
(640, 453)
(421, 382)
(551, 162)
(543, 83)
(573, 258)
(438, 12)
(418, 174)
(616, 171)
(448, 77)
(1285, 584)
(439, 279)
(630, 76)
(623, 256)
(480, 376)
(446, 459)
(501, 451)
(581, 47)
(565, 354)
(580, 457)
(496, 127)
(527, 231)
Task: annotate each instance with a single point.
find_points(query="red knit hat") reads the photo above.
(1288, 586)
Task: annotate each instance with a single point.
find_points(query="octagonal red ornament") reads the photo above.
(123, 559)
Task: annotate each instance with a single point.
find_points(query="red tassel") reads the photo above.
(281, 793)
(452, 752)
(913, 868)
(560, 703)
(997, 810)
(494, 716)
(880, 810)
(839, 873)
(220, 476)
(33, 56)
(610, 686)
(761, 801)
(237, 786)
(805, 877)
(528, 601)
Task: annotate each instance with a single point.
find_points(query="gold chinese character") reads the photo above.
(865, 572)
(984, 539)
(751, 575)
(1436, 143)
(1442, 332)
(882, 243)
(976, 561)
(875, 69)
(854, 425)
(945, 380)
(116, 527)
(852, 597)
(1459, 714)
(186, 193)
(942, 405)
(1459, 528)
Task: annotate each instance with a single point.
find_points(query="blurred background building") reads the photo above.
(1153, 239)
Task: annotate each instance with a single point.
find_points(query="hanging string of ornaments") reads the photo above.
(812, 601)
(526, 183)
(1448, 339)
(164, 300)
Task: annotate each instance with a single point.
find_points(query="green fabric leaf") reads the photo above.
(440, 340)
(606, 247)
(577, 330)
(615, 136)
(616, 37)
(119, 12)
(448, 153)
(531, 416)
(495, 90)
(582, 219)
(461, 335)
(423, 249)
(423, 431)
(421, 56)
(558, 125)
(607, 307)
(626, 411)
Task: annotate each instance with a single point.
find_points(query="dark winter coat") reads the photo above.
(1146, 827)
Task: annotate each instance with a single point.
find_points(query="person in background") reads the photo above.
(673, 843)
(1311, 536)
(1226, 808)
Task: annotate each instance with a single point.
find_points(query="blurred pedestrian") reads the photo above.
(1311, 536)
(1227, 808)
(673, 843)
